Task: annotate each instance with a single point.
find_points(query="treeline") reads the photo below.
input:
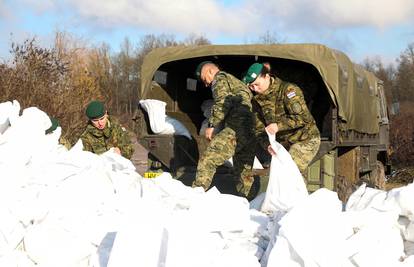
(62, 79)
(399, 89)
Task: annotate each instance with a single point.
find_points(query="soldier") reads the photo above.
(282, 110)
(103, 132)
(63, 141)
(232, 106)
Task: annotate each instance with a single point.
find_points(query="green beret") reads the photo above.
(253, 72)
(199, 67)
(55, 124)
(95, 109)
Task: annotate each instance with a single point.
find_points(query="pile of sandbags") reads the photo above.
(75, 208)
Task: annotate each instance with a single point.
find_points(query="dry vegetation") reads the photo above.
(61, 80)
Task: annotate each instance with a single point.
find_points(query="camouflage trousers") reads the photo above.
(303, 152)
(223, 146)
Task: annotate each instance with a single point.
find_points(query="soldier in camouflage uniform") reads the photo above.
(232, 105)
(282, 110)
(104, 132)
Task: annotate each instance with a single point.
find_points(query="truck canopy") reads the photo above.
(352, 89)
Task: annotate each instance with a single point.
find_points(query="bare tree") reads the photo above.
(269, 38)
(405, 77)
(386, 74)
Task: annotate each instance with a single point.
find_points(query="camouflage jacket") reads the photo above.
(100, 141)
(283, 103)
(64, 142)
(232, 103)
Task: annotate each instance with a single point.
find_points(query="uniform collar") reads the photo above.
(275, 83)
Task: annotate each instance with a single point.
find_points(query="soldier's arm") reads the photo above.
(63, 141)
(124, 142)
(260, 132)
(86, 144)
(268, 110)
(297, 114)
(222, 103)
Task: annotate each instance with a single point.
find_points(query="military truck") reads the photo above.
(347, 102)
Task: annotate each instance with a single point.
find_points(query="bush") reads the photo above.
(55, 80)
(401, 136)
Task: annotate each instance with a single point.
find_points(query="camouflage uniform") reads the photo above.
(232, 105)
(113, 135)
(64, 142)
(283, 103)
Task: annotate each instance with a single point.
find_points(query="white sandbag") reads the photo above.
(141, 240)
(4, 116)
(365, 197)
(25, 137)
(311, 228)
(408, 262)
(156, 113)
(257, 202)
(256, 164)
(11, 231)
(409, 232)
(404, 197)
(399, 200)
(409, 248)
(52, 245)
(285, 256)
(8, 113)
(220, 212)
(173, 126)
(375, 233)
(160, 123)
(376, 246)
(198, 244)
(16, 259)
(286, 186)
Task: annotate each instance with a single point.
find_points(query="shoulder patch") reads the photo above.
(296, 108)
(291, 93)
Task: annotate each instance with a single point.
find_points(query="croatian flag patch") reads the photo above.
(291, 94)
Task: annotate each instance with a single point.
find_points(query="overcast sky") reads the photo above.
(360, 28)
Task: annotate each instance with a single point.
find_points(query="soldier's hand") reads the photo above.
(209, 133)
(117, 150)
(271, 151)
(272, 128)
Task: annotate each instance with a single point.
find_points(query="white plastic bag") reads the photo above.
(161, 123)
(286, 186)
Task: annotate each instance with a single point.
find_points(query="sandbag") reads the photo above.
(161, 123)
(9, 111)
(286, 186)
